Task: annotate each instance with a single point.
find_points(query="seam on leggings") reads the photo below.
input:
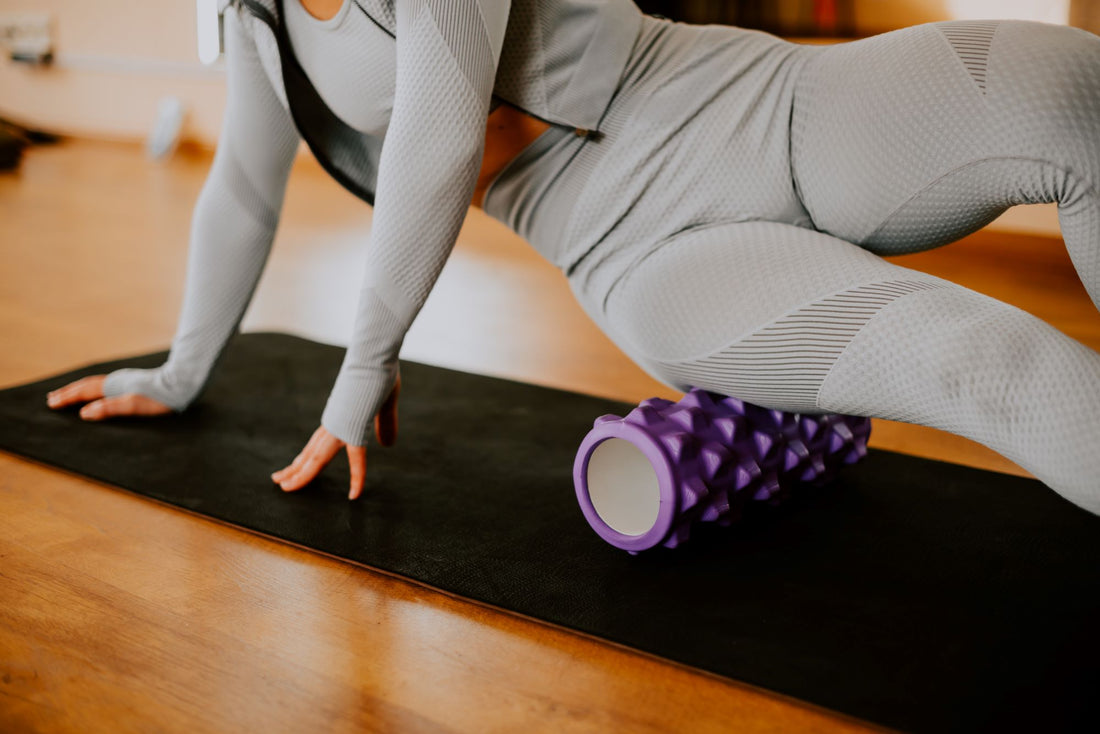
(971, 47)
(1071, 175)
(867, 289)
(795, 84)
(789, 359)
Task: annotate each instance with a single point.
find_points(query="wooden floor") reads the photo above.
(118, 614)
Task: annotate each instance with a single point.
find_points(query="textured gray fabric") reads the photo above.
(889, 130)
(562, 62)
(785, 362)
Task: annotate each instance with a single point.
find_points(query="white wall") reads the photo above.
(115, 60)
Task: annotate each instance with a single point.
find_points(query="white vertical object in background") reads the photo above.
(1046, 11)
(209, 32)
(167, 128)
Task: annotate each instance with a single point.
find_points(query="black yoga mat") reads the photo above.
(916, 594)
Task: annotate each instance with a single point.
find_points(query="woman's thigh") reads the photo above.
(760, 310)
(791, 318)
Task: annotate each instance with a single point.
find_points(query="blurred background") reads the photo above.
(857, 18)
(103, 69)
(149, 72)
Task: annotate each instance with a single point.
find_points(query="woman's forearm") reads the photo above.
(231, 230)
(446, 65)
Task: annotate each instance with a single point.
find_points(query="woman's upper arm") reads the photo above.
(258, 137)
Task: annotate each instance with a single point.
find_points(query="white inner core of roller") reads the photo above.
(623, 487)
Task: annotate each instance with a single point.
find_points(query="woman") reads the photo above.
(718, 198)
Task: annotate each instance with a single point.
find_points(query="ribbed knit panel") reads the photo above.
(785, 362)
(971, 41)
(463, 29)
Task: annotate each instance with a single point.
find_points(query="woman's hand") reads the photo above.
(323, 447)
(90, 390)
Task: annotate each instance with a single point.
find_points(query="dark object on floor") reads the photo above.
(916, 594)
(14, 138)
(11, 149)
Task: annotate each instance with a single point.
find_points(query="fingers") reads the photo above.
(385, 423)
(357, 460)
(91, 389)
(132, 404)
(320, 450)
(81, 391)
(309, 463)
(299, 459)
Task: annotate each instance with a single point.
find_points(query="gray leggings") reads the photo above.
(897, 143)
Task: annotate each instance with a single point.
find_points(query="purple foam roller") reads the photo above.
(644, 479)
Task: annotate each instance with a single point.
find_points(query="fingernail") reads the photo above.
(87, 412)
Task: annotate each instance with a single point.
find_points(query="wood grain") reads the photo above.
(119, 614)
